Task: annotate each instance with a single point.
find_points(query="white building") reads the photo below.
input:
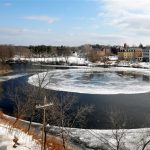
(146, 54)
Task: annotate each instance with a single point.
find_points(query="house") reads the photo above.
(146, 54)
(130, 53)
(126, 54)
(138, 54)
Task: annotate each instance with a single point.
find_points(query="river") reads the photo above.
(135, 107)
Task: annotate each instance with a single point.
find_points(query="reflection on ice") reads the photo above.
(97, 80)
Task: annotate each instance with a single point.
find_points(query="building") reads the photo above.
(130, 53)
(146, 54)
(102, 52)
(138, 54)
(126, 54)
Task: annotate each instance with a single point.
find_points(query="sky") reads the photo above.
(74, 22)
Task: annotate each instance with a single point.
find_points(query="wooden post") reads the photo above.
(44, 106)
(43, 130)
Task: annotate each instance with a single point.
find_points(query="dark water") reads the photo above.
(135, 107)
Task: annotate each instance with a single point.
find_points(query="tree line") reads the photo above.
(87, 51)
(7, 52)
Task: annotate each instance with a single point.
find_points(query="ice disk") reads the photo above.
(95, 80)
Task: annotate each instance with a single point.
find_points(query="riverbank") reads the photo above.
(77, 61)
(88, 139)
(15, 137)
(27, 139)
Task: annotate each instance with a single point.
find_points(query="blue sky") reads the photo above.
(74, 22)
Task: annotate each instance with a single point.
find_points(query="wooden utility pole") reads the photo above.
(44, 107)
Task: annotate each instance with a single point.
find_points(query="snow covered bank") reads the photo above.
(132, 139)
(97, 80)
(7, 135)
(33, 142)
(89, 139)
(70, 60)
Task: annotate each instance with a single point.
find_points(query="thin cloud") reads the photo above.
(10, 31)
(47, 19)
(22, 31)
(7, 4)
(127, 15)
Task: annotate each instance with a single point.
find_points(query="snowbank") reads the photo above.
(88, 139)
(99, 139)
(7, 135)
(70, 60)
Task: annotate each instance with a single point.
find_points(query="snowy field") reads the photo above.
(95, 80)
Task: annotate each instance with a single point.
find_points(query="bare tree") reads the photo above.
(116, 138)
(93, 56)
(65, 112)
(38, 93)
(144, 141)
(20, 99)
(118, 121)
(66, 53)
(141, 141)
(6, 52)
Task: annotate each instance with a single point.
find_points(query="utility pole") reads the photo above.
(44, 107)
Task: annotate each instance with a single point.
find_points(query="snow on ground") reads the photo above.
(70, 59)
(113, 58)
(83, 61)
(144, 64)
(91, 139)
(134, 64)
(97, 138)
(80, 80)
(87, 139)
(6, 139)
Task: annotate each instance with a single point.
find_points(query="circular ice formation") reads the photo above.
(95, 80)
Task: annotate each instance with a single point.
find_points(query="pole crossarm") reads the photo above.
(43, 106)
